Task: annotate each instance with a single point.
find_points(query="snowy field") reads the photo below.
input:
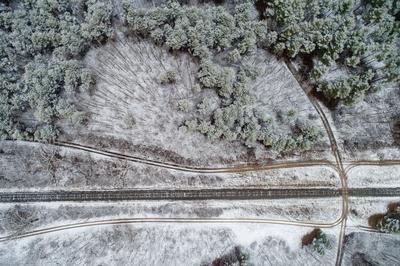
(360, 209)
(129, 111)
(367, 129)
(161, 244)
(371, 249)
(166, 244)
(374, 176)
(18, 218)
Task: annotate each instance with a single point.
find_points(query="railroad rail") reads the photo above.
(204, 194)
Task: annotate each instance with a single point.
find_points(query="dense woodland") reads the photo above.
(42, 43)
(358, 39)
(345, 48)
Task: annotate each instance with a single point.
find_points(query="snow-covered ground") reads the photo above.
(374, 176)
(361, 208)
(18, 218)
(364, 248)
(367, 129)
(130, 112)
(32, 166)
(161, 244)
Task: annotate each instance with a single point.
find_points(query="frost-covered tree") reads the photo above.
(44, 80)
(97, 23)
(389, 224)
(210, 31)
(321, 243)
(41, 44)
(362, 36)
(198, 30)
(318, 241)
(183, 105)
(349, 89)
(168, 77)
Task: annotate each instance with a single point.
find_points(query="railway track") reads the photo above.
(205, 194)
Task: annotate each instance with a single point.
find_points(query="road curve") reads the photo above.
(191, 195)
(167, 220)
(353, 164)
(194, 169)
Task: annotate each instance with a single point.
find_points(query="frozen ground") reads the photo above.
(130, 111)
(374, 176)
(361, 208)
(162, 244)
(369, 129)
(33, 166)
(31, 216)
(165, 244)
(371, 249)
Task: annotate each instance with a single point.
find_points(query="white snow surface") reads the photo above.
(374, 176)
(164, 245)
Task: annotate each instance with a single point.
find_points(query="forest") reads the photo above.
(346, 49)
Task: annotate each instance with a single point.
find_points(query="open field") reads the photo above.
(170, 245)
(131, 241)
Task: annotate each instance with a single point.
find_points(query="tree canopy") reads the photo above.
(41, 43)
(359, 38)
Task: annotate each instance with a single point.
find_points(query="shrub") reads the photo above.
(183, 105)
(389, 224)
(234, 257)
(291, 113)
(129, 120)
(234, 56)
(19, 218)
(308, 131)
(169, 77)
(79, 118)
(46, 133)
(320, 242)
(191, 124)
(196, 88)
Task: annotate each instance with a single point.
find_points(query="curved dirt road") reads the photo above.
(192, 169)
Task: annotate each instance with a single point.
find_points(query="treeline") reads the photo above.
(348, 48)
(41, 45)
(358, 39)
